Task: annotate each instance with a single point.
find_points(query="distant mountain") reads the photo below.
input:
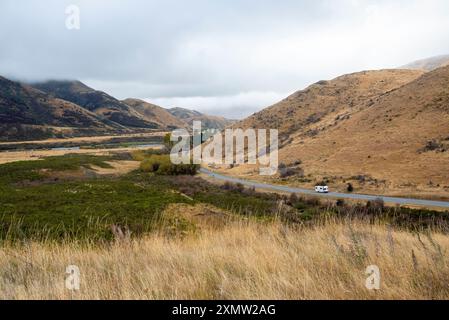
(428, 64)
(26, 112)
(153, 113)
(99, 102)
(209, 122)
(70, 108)
(184, 114)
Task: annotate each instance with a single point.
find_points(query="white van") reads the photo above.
(322, 189)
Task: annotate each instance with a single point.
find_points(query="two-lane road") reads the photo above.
(353, 196)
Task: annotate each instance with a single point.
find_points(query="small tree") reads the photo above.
(293, 199)
(167, 141)
(350, 188)
(376, 204)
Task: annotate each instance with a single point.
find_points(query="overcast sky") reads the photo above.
(223, 57)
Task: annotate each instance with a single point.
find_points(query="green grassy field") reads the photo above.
(35, 204)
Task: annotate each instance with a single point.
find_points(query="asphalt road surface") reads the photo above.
(353, 196)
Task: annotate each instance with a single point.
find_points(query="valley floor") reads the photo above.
(95, 145)
(29, 155)
(240, 261)
(140, 234)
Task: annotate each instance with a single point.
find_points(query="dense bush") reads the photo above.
(350, 187)
(282, 166)
(229, 186)
(293, 199)
(290, 171)
(432, 145)
(377, 204)
(161, 164)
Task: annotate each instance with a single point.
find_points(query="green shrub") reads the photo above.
(350, 187)
(153, 163)
(140, 155)
(161, 164)
(236, 187)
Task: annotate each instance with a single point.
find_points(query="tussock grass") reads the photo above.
(244, 260)
(151, 236)
(162, 165)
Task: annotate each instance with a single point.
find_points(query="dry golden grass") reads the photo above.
(117, 168)
(240, 261)
(29, 155)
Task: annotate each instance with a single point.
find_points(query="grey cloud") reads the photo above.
(215, 49)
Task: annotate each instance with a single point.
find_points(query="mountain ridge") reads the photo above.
(428, 64)
(25, 110)
(96, 101)
(155, 113)
(60, 108)
(207, 121)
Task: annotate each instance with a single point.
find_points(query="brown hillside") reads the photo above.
(207, 121)
(155, 114)
(327, 102)
(402, 138)
(383, 131)
(26, 112)
(108, 107)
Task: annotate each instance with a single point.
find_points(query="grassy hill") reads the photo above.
(99, 102)
(401, 138)
(155, 114)
(324, 101)
(26, 112)
(383, 131)
(150, 236)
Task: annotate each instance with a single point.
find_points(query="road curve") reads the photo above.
(353, 196)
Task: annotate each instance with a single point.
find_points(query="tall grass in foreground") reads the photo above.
(242, 260)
